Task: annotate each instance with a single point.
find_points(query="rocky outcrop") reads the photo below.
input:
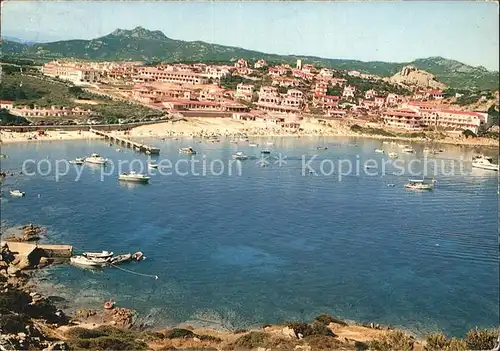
(412, 76)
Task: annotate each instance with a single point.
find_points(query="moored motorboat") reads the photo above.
(187, 151)
(418, 184)
(408, 149)
(152, 164)
(379, 151)
(484, 162)
(95, 158)
(321, 148)
(134, 177)
(239, 156)
(101, 255)
(393, 155)
(253, 145)
(88, 262)
(17, 193)
(78, 161)
(265, 152)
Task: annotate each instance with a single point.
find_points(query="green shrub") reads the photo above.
(327, 319)
(205, 337)
(178, 333)
(361, 346)
(322, 342)
(469, 134)
(82, 333)
(107, 343)
(356, 128)
(436, 341)
(251, 340)
(396, 340)
(477, 339)
(302, 328)
(13, 323)
(456, 345)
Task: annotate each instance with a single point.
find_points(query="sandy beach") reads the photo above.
(224, 127)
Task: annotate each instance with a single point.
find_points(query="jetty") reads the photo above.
(148, 149)
(27, 249)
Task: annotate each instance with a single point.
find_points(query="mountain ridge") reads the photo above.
(146, 45)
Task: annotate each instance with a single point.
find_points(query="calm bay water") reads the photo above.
(272, 245)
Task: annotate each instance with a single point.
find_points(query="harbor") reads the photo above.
(147, 149)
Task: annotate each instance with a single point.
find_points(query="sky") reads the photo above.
(367, 31)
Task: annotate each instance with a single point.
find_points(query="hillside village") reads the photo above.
(279, 95)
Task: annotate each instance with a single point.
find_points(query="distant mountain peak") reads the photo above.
(139, 33)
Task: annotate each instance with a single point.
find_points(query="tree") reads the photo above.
(469, 134)
(334, 91)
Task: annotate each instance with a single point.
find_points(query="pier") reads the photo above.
(148, 149)
(26, 249)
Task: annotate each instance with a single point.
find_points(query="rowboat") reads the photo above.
(84, 261)
(120, 258)
(102, 254)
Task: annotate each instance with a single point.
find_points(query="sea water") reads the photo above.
(269, 244)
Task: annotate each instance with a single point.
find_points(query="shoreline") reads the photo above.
(227, 128)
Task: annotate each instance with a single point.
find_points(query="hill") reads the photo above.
(145, 45)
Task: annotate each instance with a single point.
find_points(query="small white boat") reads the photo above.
(484, 162)
(78, 161)
(408, 150)
(239, 156)
(134, 177)
(187, 151)
(101, 255)
(118, 150)
(17, 193)
(393, 155)
(379, 151)
(152, 164)
(270, 143)
(88, 262)
(253, 145)
(418, 184)
(95, 158)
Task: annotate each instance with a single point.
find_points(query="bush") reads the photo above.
(178, 333)
(302, 328)
(396, 340)
(82, 333)
(14, 300)
(321, 342)
(251, 340)
(13, 324)
(107, 343)
(356, 128)
(456, 345)
(469, 134)
(204, 337)
(436, 341)
(326, 319)
(480, 339)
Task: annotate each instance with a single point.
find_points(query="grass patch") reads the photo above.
(256, 339)
(321, 342)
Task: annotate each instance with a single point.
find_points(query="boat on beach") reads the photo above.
(187, 151)
(17, 193)
(484, 162)
(78, 161)
(418, 184)
(134, 177)
(239, 156)
(95, 158)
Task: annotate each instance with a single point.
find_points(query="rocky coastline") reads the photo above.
(31, 321)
